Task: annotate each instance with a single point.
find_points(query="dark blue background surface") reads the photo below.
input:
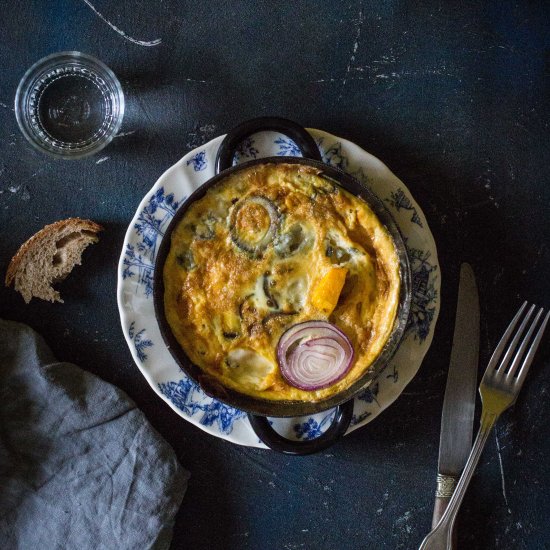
(453, 96)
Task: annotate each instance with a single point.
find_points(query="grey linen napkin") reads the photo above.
(80, 466)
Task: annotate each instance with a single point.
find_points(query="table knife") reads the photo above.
(460, 393)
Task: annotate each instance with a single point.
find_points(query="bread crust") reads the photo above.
(47, 232)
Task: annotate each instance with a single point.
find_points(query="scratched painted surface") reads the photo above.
(453, 98)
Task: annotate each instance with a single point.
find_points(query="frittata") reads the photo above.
(269, 247)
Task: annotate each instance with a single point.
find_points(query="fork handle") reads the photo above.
(440, 537)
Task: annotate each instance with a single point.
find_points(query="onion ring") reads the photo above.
(314, 355)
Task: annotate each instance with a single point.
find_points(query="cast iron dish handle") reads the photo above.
(309, 149)
(275, 441)
(228, 146)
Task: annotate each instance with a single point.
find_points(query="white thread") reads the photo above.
(120, 31)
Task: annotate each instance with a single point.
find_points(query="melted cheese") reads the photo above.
(228, 303)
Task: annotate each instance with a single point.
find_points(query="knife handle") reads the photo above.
(445, 488)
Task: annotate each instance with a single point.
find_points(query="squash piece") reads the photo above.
(327, 291)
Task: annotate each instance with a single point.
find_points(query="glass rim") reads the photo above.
(47, 63)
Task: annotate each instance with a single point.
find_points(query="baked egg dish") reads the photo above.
(280, 284)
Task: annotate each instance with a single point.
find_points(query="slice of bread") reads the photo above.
(49, 256)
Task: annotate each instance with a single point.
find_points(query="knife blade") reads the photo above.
(457, 417)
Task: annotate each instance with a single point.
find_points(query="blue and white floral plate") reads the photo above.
(135, 280)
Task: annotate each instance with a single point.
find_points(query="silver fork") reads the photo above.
(499, 390)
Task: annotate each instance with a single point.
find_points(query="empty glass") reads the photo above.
(69, 105)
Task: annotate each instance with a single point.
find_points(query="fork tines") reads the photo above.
(527, 346)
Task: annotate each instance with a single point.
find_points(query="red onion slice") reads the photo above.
(314, 355)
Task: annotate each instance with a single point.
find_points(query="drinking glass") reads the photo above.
(69, 104)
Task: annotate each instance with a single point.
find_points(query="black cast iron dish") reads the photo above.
(259, 409)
